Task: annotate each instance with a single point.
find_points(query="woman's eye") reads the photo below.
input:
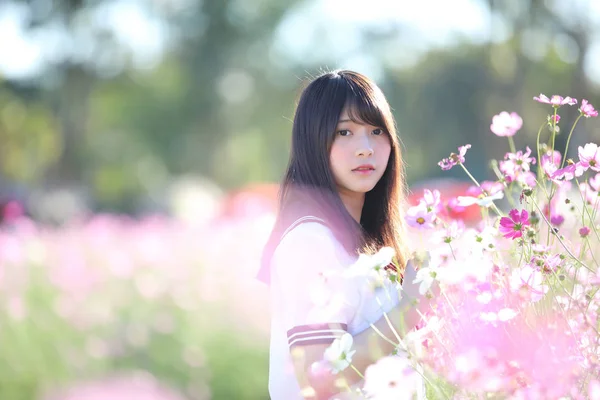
(344, 132)
(378, 132)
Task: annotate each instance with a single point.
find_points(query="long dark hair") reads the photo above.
(309, 181)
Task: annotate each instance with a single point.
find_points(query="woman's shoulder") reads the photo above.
(307, 233)
(309, 243)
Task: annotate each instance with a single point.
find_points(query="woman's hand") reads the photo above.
(411, 290)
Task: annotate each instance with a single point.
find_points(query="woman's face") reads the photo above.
(359, 155)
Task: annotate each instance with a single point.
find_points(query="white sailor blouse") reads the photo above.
(311, 291)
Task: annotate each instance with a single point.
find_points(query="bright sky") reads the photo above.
(137, 32)
(422, 24)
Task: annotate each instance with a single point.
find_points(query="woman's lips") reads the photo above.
(364, 171)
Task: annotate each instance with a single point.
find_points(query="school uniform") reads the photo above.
(311, 290)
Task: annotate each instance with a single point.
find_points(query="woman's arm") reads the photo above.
(369, 345)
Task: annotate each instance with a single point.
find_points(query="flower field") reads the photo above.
(158, 308)
(126, 306)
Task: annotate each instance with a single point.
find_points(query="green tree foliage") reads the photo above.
(220, 100)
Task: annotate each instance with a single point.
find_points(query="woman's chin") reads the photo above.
(363, 188)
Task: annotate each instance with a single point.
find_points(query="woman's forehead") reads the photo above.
(351, 114)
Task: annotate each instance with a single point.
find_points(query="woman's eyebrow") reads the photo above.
(343, 120)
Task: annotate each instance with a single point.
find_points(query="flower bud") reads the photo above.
(534, 218)
(584, 231)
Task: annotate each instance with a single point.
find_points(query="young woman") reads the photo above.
(342, 195)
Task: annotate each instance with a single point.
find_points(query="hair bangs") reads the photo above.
(364, 105)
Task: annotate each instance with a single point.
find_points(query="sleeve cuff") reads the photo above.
(315, 334)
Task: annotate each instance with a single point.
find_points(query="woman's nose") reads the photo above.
(364, 147)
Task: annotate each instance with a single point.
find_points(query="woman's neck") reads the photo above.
(354, 203)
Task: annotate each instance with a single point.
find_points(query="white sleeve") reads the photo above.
(316, 299)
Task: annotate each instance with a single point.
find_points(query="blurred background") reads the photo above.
(141, 142)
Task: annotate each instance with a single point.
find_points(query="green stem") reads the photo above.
(511, 144)
(585, 209)
(560, 240)
(537, 143)
(383, 336)
(569, 139)
(479, 186)
(357, 371)
(553, 133)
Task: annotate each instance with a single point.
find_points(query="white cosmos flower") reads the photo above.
(390, 378)
(371, 267)
(466, 201)
(426, 276)
(505, 314)
(339, 354)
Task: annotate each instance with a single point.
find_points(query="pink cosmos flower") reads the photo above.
(489, 187)
(589, 157)
(512, 226)
(453, 206)
(587, 110)
(528, 282)
(522, 160)
(555, 119)
(431, 200)
(556, 100)
(505, 124)
(515, 165)
(546, 263)
(419, 217)
(527, 179)
(510, 170)
(568, 173)
(588, 193)
(549, 166)
(482, 195)
(595, 182)
(454, 159)
(555, 157)
(540, 249)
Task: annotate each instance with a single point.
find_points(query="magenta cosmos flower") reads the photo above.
(505, 124)
(556, 100)
(512, 226)
(454, 159)
(587, 110)
(584, 231)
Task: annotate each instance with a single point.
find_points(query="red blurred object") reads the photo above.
(11, 211)
(259, 198)
(449, 188)
(250, 200)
